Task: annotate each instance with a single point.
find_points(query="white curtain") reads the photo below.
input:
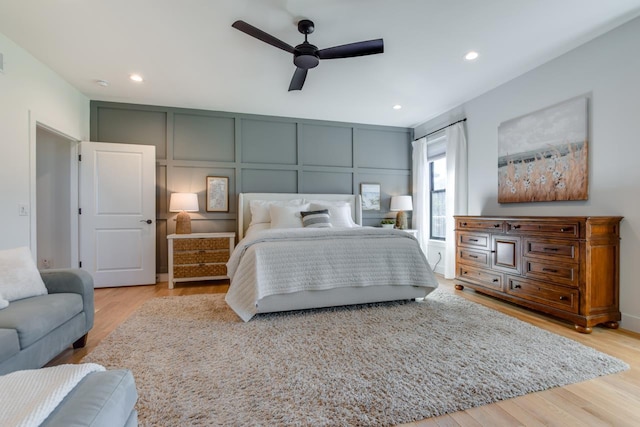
(457, 188)
(421, 186)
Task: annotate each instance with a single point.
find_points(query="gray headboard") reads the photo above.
(244, 212)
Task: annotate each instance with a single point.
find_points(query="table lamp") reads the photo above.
(183, 203)
(401, 204)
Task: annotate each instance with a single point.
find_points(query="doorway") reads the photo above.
(56, 196)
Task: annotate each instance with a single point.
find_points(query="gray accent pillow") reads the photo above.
(316, 219)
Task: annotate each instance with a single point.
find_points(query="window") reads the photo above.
(438, 180)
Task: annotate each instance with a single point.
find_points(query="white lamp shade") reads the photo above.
(401, 203)
(187, 202)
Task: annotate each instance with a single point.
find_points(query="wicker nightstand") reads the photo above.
(199, 256)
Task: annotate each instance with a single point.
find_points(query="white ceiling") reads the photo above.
(191, 57)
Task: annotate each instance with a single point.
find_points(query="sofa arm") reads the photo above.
(72, 280)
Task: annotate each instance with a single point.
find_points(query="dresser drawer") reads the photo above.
(199, 257)
(466, 223)
(565, 250)
(474, 240)
(561, 273)
(469, 256)
(551, 229)
(199, 244)
(543, 293)
(485, 278)
(199, 270)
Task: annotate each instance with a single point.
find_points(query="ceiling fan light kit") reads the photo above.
(306, 55)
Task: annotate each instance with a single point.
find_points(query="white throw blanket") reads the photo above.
(283, 261)
(28, 397)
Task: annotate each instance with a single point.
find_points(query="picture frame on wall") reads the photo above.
(370, 194)
(217, 194)
(543, 156)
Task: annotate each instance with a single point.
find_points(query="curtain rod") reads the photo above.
(444, 127)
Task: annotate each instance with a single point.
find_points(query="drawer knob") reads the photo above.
(464, 224)
(549, 270)
(495, 280)
(496, 225)
(473, 240)
(515, 227)
(473, 256)
(563, 298)
(517, 287)
(551, 249)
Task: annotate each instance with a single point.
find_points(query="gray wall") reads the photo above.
(607, 73)
(258, 154)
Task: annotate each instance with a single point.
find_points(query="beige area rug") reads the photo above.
(195, 363)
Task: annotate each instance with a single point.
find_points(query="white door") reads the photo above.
(117, 213)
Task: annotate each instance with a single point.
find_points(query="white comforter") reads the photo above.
(275, 262)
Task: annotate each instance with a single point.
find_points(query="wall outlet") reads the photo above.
(23, 210)
(46, 263)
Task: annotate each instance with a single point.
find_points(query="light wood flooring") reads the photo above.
(613, 400)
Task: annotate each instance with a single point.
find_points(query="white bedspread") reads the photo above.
(29, 396)
(284, 261)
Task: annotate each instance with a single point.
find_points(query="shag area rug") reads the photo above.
(196, 364)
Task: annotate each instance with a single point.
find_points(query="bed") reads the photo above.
(279, 264)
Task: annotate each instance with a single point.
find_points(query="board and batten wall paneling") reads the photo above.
(257, 154)
(203, 138)
(134, 126)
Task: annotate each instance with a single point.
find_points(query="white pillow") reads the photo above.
(256, 228)
(260, 209)
(19, 276)
(287, 216)
(339, 213)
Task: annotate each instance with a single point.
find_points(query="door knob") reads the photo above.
(148, 221)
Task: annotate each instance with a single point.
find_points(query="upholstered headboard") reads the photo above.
(244, 212)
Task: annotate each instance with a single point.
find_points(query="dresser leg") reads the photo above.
(611, 325)
(458, 287)
(583, 329)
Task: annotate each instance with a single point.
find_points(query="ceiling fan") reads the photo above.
(306, 55)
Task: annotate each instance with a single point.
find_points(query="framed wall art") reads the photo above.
(370, 194)
(217, 194)
(542, 156)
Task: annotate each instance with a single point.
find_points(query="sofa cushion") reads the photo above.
(101, 399)
(9, 343)
(35, 317)
(19, 276)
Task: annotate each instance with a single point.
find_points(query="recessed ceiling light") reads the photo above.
(470, 56)
(136, 78)
(102, 83)
(397, 107)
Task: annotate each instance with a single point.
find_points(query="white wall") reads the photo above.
(29, 91)
(607, 70)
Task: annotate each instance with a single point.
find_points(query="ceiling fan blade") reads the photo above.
(368, 47)
(261, 35)
(298, 79)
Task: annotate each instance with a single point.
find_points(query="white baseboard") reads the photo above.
(630, 323)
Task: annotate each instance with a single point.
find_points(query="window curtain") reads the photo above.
(457, 188)
(421, 186)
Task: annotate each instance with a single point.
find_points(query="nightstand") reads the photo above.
(199, 256)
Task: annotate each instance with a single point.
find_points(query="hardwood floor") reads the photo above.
(612, 400)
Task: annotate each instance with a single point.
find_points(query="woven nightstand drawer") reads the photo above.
(199, 270)
(198, 244)
(199, 257)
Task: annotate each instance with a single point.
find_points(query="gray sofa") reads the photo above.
(35, 330)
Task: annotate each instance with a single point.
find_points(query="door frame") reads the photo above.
(34, 123)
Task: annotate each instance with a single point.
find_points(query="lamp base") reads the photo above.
(401, 220)
(183, 223)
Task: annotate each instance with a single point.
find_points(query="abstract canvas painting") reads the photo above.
(542, 156)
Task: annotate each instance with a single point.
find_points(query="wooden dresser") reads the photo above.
(199, 256)
(564, 266)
